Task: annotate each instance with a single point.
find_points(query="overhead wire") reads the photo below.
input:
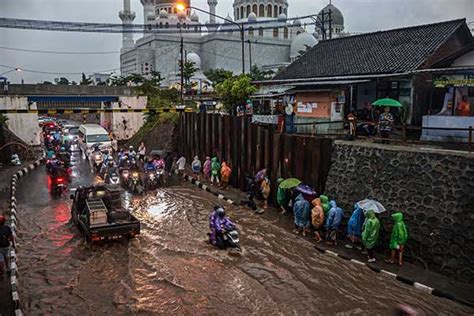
(58, 52)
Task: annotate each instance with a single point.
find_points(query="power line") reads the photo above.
(57, 73)
(58, 52)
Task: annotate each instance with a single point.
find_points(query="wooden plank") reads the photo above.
(243, 152)
(249, 149)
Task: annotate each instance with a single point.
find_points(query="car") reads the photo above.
(93, 134)
(72, 132)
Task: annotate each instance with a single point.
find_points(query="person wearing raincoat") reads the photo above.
(196, 167)
(212, 228)
(398, 239)
(302, 214)
(207, 168)
(370, 234)
(325, 204)
(225, 175)
(215, 170)
(354, 227)
(333, 221)
(283, 197)
(317, 218)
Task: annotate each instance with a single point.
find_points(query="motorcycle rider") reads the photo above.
(222, 224)
(110, 168)
(95, 151)
(132, 153)
(149, 166)
(64, 156)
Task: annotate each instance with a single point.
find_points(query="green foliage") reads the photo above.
(188, 72)
(235, 91)
(217, 76)
(257, 74)
(63, 81)
(3, 119)
(85, 81)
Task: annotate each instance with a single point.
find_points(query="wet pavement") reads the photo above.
(170, 269)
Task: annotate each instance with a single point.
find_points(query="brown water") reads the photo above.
(170, 269)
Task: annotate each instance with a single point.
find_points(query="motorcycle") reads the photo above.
(124, 177)
(98, 161)
(112, 178)
(231, 238)
(136, 183)
(58, 185)
(150, 180)
(160, 176)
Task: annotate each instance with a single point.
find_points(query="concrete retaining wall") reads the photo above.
(433, 188)
(25, 125)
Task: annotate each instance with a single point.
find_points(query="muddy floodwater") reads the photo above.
(170, 269)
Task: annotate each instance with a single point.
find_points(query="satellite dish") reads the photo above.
(289, 109)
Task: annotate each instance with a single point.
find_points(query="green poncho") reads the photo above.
(370, 234)
(325, 204)
(399, 231)
(215, 167)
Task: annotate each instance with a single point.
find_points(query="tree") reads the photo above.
(188, 72)
(235, 91)
(63, 81)
(217, 76)
(257, 74)
(85, 81)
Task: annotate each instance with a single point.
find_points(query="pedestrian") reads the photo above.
(168, 163)
(196, 167)
(385, 125)
(265, 189)
(333, 221)
(215, 169)
(114, 144)
(283, 197)
(141, 152)
(398, 239)
(225, 175)
(302, 214)
(181, 164)
(317, 218)
(6, 238)
(370, 234)
(325, 204)
(354, 228)
(207, 168)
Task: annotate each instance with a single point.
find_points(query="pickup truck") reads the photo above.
(97, 211)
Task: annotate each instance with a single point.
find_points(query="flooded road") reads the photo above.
(170, 269)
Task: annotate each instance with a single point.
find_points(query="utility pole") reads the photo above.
(250, 55)
(330, 23)
(181, 62)
(242, 39)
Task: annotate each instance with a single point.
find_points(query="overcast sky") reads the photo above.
(360, 16)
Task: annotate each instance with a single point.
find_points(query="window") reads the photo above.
(161, 24)
(237, 13)
(250, 31)
(254, 9)
(248, 10)
(260, 31)
(167, 25)
(285, 10)
(285, 32)
(280, 10)
(99, 138)
(269, 11)
(275, 32)
(242, 13)
(261, 10)
(275, 11)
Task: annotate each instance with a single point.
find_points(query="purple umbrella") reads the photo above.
(260, 175)
(305, 189)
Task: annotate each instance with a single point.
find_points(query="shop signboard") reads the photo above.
(265, 119)
(454, 80)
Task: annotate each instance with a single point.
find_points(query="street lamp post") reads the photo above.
(11, 70)
(182, 7)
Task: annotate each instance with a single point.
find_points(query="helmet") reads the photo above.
(130, 148)
(220, 212)
(2, 219)
(63, 148)
(53, 156)
(111, 163)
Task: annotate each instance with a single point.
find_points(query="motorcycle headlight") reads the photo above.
(70, 137)
(135, 175)
(98, 157)
(152, 176)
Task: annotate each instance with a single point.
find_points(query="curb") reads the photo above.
(401, 278)
(13, 224)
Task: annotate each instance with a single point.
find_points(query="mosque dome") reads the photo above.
(336, 15)
(194, 58)
(195, 17)
(301, 43)
(252, 17)
(163, 14)
(282, 17)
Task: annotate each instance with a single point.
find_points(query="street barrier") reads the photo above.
(13, 224)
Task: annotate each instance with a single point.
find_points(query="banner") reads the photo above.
(463, 80)
(265, 119)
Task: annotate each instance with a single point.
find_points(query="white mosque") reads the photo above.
(271, 44)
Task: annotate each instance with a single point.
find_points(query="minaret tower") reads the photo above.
(127, 16)
(212, 9)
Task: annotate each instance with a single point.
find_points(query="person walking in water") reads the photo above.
(370, 234)
(398, 239)
(332, 223)
(225, 175)
(302, 214)
(317, 218)
(207, 168)
(196, 167)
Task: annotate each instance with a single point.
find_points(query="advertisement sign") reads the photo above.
(457, 80)
(265, 119)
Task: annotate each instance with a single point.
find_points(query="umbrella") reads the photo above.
(373, 205)
(306, 189)
(387, 102)
(260, 175)
(289, 183)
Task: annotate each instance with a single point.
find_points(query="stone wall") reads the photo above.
(433, 188)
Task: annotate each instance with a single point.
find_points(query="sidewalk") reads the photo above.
(425, 280)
